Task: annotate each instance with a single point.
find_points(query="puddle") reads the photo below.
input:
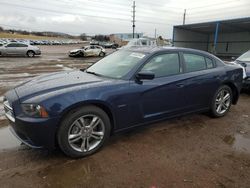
(239, 142)
(7, 139)
(73, 173)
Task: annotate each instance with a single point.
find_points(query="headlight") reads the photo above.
(34, 110)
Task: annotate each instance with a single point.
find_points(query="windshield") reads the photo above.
(244, 57)
(117, 64)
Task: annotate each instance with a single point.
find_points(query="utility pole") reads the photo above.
(184, 17)
(133, 19)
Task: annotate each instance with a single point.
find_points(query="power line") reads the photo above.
(218, 12)
(160, 4)
(79, 14)
(211, 5)
(64, 12)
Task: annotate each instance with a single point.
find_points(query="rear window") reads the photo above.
(194, 62)
(210, 63)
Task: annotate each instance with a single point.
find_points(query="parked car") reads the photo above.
(140, 42)
(86, 51)
(244, 61)
(93, 42)
(78, 110)
(109, 45)
(15, 48)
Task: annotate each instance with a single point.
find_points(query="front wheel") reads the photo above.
(84, 131)
(222, 101)
(30, 53)
(102, 54)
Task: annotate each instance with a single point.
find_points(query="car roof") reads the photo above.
(152, 49)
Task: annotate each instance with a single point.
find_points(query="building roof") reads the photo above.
(226, 26)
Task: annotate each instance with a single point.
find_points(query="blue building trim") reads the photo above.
(216, 35)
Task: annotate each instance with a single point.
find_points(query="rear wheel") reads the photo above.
(84, 131)
(222, 101)
(30, 53)
(102, 54)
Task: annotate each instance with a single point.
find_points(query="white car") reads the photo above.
(86, 51)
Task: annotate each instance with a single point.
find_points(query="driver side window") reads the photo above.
(163, 65)
(12, 45)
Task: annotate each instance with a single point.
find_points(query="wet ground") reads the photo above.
(191, 151)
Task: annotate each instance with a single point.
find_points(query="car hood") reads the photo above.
(56, 82)
(75, 50)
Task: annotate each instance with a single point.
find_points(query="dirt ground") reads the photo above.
(191, 151)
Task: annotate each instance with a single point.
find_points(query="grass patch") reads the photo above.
(32, 37)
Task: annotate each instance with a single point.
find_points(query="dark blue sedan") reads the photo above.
(79, 110)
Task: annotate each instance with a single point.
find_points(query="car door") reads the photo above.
(21, 49)
(11, 49)
(88, 51)
(92, 50)
(202, 79)
(162, 96)
(97, 50)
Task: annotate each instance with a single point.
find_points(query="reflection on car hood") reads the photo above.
(57, 82)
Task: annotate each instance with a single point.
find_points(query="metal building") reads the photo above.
(225, 38)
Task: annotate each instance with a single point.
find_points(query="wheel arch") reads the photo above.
(30, 51)
(100, 104)
(235, 91)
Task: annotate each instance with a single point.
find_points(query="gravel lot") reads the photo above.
(191, 151)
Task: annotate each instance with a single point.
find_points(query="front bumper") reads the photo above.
(36, 133)
(74, 54)
(38, 53)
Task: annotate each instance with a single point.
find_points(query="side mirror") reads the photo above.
(145, 75)
(233, 58)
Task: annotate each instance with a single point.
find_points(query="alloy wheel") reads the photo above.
(30, 54)
(86, 133)
(222, 101)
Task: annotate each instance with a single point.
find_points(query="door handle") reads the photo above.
(180, 85)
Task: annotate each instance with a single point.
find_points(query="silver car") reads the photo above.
(16, 48)
(86, 51)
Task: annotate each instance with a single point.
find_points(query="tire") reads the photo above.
(73, 137)
(221, 104)
(30, 53)
(102, 54)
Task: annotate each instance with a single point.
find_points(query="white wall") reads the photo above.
(234, 47)
(237, 43)
(190, 39)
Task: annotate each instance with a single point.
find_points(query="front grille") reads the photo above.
(8, 111)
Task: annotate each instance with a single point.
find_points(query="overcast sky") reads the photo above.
(114, 16)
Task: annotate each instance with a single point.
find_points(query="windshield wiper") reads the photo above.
(91, 72)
